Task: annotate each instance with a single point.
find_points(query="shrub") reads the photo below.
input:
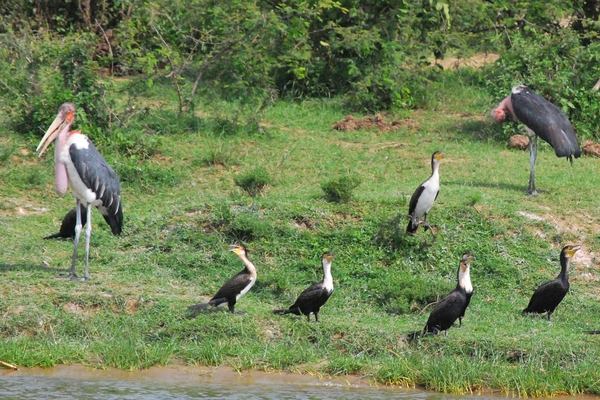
(339, 190)
(253, 182)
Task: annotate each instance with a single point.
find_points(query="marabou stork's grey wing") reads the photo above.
(547, 121)
(101, 179)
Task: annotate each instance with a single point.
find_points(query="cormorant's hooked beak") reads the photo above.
(573, 249)
(329, 256)
(58, 125)
(466, 260)
(236, 248)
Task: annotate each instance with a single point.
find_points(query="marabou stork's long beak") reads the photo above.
(58, 125)
(66, 115)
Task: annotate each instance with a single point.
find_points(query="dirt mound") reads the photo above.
(590, 148)
(352, 124)
(519, 142)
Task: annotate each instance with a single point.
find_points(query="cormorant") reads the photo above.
(549, 295)
(423, 198)
(234, 288)
(541, 118)
(311, 299)
(453, 306)
(67, 227)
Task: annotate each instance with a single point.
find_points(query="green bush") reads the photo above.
(254, 182)
(44, 73)
(339, 190)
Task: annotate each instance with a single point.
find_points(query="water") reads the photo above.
(78, 382)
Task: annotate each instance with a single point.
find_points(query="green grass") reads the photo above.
(183, 208)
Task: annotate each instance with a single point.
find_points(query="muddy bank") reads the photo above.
(188, 374)
(74, 381)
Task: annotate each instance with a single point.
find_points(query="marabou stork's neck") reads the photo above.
(464, 275)
(505, 106)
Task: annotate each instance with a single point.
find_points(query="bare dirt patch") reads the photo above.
(475, 61)
(352, 124)
(584, 260)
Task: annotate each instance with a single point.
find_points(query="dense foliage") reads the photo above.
(376, 54)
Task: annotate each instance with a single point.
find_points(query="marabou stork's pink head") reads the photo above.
(66, 115)
(498, 114)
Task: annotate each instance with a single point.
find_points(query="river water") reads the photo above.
(79, 382)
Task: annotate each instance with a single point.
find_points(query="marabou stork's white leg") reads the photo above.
(88, 235)
(532, 156)
(78, 224)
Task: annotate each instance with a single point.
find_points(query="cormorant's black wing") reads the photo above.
(415, 199)
(314, 296)
(67, 227)
(447, 311)
(467, 302)
(547, 296)
(234, 285)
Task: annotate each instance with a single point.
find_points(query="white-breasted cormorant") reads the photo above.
(234, 288)
(549, 295)
(541, 118)
(312, 299)
(423, 198)
(67, 226)
(453, 306)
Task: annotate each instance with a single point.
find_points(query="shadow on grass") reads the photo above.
(29, 267)
(392, 234)
(482, 131)
(193, 314)
(502, 186)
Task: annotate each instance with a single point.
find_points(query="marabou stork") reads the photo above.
(453, 306)
(422, 199)
(541, 118)
(549, 295)
(312, 299)
(235, 287)
(80, 166)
